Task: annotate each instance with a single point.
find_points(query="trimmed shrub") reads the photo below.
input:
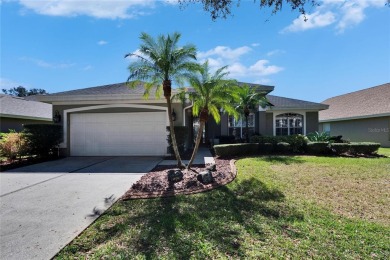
(43, 138)
(340, 148)
(297, 142)
(355, 148)
(364, 148)
(318, 148)
(226, 139)
(181, 134)
(266, 148)
(13, 145)
(231, 150)
(283, 147)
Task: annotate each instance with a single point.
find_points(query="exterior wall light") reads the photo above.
(57, 117)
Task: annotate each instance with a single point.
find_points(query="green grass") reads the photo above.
(277, 208)
(384, 151)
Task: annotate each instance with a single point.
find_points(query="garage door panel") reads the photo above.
(105, 134)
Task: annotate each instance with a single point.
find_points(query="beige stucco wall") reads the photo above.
(363, 130)
(16, 124)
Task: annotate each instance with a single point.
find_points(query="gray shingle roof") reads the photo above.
(290, 103)
(374, 101)
(21, 108)
(112, 89)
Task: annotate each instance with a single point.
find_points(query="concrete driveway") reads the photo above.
(45, 206)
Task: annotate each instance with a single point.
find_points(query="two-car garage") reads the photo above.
(118, 134)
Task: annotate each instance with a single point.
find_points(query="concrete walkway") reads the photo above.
(42, 211)
(202, 157)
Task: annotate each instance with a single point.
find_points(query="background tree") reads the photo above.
(247, 99)
(23, 92)
(222, 8)
(211, 92)
(160, 62)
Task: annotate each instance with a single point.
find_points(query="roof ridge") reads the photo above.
(356, 91)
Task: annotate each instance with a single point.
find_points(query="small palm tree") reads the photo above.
(160, 62)
(248, 99)
(211, 92)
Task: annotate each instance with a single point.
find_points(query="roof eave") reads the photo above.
(353, 118)
(27, 117)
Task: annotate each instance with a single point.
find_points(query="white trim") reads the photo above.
(78, 109)
(354, 117)
(26, 117)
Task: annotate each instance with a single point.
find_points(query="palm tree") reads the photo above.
(248, 99)
(159, 62)
(211, 92)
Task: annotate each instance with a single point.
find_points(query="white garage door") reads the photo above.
(118, 134)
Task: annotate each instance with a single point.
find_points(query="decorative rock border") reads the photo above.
(164, 194)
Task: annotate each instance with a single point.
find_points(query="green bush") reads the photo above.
(297, 142)
(364, 148)
(181, 134)
(43, 138)
(355, 148)
(13, 145)
(266, 148)
(283, 147)
(340, 148)
(318, 148)
(232, 150)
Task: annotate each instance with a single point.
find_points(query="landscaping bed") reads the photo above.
(156, 184)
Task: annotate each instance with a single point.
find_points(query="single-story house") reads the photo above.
(17, 111)
(115, 120)
(362, 116)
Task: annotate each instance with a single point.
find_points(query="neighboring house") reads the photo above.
(114, 120)
(17, 111)
(363, 115)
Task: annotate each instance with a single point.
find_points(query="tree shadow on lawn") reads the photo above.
(185, 226)
(282, 159)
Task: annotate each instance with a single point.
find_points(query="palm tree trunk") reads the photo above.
(247, 129)
(197, 142)
(167, 94)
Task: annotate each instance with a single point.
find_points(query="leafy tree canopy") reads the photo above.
(23, 92)
(222, 8)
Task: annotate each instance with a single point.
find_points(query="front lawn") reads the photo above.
(278, 207)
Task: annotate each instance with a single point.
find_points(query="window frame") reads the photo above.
(288, 127)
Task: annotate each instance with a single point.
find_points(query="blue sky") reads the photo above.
(65, 44)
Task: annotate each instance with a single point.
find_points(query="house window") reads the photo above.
(238, 127)
(289, 124)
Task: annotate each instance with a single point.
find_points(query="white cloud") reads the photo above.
(102, 42)
(135, 57)
(344, 14)
(118, 9)
(223, 55)
(45, 64)
(255, 44)
(275, 52)
(311, 21)
(262, 68)
(225, 52)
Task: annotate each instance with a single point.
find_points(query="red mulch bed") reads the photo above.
(155, 183)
